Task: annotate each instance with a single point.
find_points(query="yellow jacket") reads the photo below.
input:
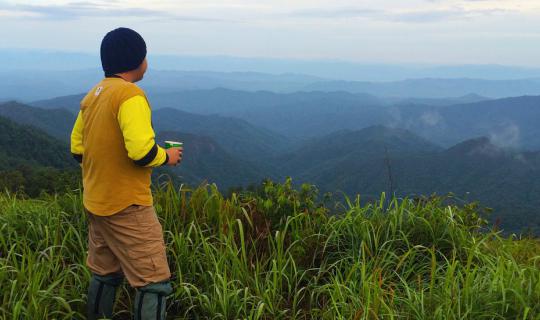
(113, 139)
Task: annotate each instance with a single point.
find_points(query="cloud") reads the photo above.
(431, 118)
(411, 11)
(507, 136)
(336, 13)
(81, 9)
(436, 15)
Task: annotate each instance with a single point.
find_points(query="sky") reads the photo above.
(381, 31)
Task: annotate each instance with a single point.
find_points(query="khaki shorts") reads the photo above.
(128, 242)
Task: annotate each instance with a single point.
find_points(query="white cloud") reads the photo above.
(391, 31)
(508, 136)
(431, 118)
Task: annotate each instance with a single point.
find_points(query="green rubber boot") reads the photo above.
(150, 301)
(101, 296)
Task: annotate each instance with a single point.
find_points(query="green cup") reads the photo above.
(173, 144)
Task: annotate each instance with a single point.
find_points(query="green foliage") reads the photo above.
(34, 180)
(32, 162)
(276, 252)
(29, 145)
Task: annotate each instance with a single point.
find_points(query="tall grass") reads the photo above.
(281, 254)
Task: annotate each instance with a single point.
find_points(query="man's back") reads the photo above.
(111, 180)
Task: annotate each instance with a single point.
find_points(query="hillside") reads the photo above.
(21, 144)
(510, 122)
(312, 114)
(206, 160)
(233, 152)
(56, 122)
(32, 162)
(70, 103)
(368, 143)
(26, 152)
(476, 169)
(237, 136)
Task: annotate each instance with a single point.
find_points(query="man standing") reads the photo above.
(113, 139)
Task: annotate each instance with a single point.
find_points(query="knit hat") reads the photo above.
(122, 50)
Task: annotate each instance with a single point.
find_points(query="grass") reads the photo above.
(281, 253)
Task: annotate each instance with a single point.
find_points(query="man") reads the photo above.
(113, 139)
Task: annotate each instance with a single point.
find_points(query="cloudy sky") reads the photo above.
(382, 31)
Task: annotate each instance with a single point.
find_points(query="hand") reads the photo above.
(175, 156)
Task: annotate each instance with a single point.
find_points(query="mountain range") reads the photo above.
(366, 159)
(27, 153)
(397, 161)
(509, 122)
(53, 60)
(47, 84)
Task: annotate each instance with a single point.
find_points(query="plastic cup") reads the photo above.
(173, 144)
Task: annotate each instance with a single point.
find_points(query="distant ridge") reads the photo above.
(70, 102)
(435, 87)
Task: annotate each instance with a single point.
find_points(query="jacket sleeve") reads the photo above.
(135, 120)
(77, 148)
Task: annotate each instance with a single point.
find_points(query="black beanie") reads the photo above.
(122, 50)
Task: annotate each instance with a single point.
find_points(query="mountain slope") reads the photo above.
(56, 122)
(206, 160)
(70, 103)
(31, 161)
(510, 122)
(371, 142)
(468, 98)
(237, 136)
(475, 169)
(28, 145)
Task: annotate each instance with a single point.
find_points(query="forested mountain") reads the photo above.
(31, 161)
(399, 162)
(222, 101)
(509, 122)
(70, 103)
(206, 160)
(237, 136)
(20, 144)
(56, 122)
(26, 151)
(356, 146)
(340, 148)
